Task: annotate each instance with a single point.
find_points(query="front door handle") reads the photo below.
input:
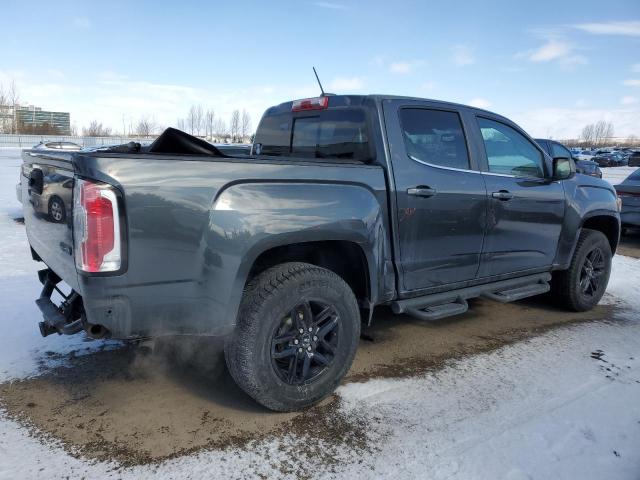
(421, 191)
(503, 195)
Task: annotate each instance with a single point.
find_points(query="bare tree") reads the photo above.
(234, 125)
(181, 125)
(95, 129)
(145, 127)
(602, 131)
(4, 111)
(13, 100)
(219, 128)
(245, 126)
(587, 135)
(209, 118)
(195, 120)
(596, 134)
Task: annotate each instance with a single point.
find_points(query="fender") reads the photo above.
(250, 218)
(587, 198)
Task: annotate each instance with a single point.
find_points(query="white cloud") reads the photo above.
(565, 123)
(331, 5)
(462, 55)
(555, 49)
(405, 67)
(628, 100)
(342, 84)
(632, 82)
(635, 68)
(113, 98)
(82, 22)
(629, 28)
(479, 103)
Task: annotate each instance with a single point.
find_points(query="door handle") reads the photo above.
(503, 195)
(421, 191)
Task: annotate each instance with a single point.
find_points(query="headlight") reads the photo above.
(619, 203)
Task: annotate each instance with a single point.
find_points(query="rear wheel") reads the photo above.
(582, 286)
(296, 337)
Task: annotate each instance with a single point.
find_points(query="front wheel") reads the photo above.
(296, 337)
(581, 287)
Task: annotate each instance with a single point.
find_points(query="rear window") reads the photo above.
(331, 134)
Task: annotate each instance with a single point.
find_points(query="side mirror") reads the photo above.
(563, 168)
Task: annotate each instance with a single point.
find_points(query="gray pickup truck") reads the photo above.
(345, 203)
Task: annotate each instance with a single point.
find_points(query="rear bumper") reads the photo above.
(103, 307)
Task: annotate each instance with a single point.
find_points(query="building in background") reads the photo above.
(32, 119)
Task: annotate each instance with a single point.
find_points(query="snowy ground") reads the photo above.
(562, 405)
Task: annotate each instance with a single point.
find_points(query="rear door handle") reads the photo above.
(502, 195)
(421, 191)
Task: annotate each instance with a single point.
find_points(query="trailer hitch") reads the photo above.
(67, 318)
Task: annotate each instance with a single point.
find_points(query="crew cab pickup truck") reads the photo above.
(344, 204)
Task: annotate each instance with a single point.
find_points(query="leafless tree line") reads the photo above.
(205, 123)
(596, 134)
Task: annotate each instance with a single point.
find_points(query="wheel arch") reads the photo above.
(345, 258)
(607, 224)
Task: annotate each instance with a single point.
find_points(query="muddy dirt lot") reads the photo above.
(135, 406)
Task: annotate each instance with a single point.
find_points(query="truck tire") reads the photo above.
(581, 287)
(296, 336)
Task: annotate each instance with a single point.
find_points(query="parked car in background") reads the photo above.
(66, 146)
(634, 159)
(604, 160)
(585, 155)
(587, 167)
(629, 192)
(234, 149)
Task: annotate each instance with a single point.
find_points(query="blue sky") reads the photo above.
(551, 66)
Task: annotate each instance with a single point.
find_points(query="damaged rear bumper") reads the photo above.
(67, 318)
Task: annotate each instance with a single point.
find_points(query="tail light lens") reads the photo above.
(96, 224)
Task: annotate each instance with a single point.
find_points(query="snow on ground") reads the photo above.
(562, 405)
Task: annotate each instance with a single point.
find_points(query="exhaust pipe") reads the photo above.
(97, 331)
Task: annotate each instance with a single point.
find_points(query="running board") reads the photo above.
(518, 293)
(454, 302)
(436, 312)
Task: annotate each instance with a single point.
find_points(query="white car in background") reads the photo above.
(585, 155)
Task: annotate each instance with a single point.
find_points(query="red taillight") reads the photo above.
(317, 103)
(96, 227)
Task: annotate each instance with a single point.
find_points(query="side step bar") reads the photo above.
(440, 305)
(518, 293)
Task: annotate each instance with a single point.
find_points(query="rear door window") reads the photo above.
(434, 137)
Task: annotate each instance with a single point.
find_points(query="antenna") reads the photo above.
(318, 79)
